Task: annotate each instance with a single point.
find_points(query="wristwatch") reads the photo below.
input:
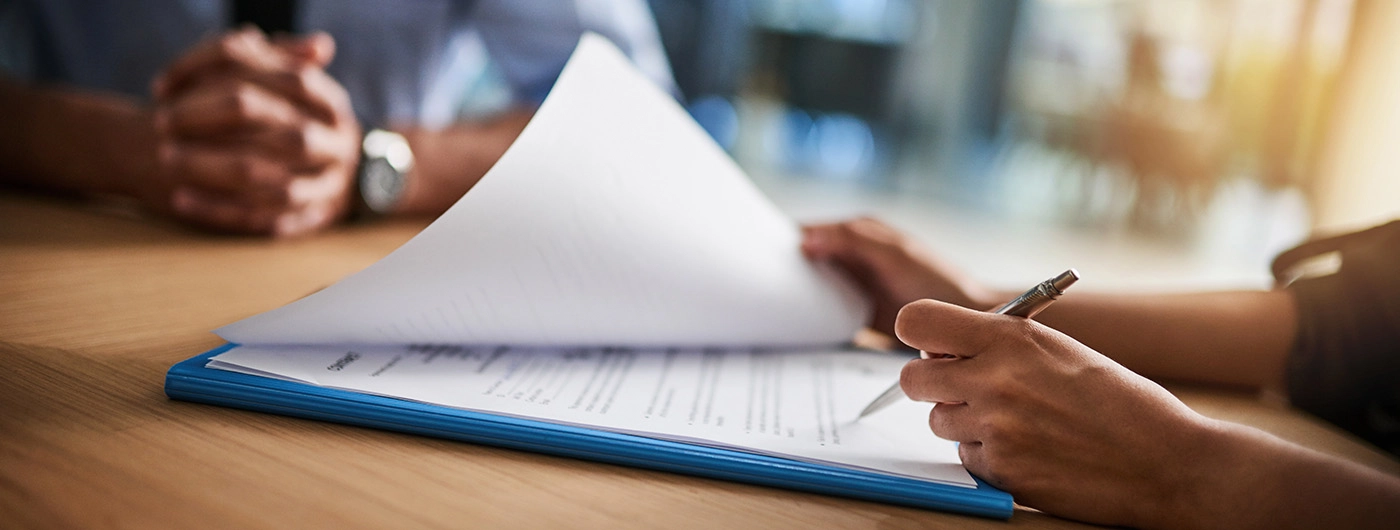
(386, 164)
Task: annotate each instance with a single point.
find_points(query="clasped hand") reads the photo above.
(254, 136)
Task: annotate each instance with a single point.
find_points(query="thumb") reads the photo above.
(942, 328)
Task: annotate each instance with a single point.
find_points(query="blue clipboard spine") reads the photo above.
(189, 380)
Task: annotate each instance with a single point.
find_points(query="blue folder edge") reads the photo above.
(190, 380)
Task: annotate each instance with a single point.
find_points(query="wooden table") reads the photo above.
(96, 304)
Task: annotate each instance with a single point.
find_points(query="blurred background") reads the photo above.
(1173, 140)
(1157, 143)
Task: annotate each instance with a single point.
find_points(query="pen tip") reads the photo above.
(1065, 279)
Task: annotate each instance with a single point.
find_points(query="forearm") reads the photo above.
(1249, 479)
(1239, 338)
(66, 140)
(448, 162)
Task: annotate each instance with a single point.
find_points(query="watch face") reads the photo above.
(380, 185)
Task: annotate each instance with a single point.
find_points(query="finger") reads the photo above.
(223, 213)
(331, 186)
(307, 86)
(310, 219)
(938, 327)
(246, 48)
(975, 461)
(240, 171)
(223, 107)
(302, 146)
(863, 242)
(954, 422)
(320, 201)
(317, 48)
(816, 240)
(939, 380)
(311, 88)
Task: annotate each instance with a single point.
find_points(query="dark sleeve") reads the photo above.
(1345, 365)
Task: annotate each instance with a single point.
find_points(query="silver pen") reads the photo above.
(1026, 305)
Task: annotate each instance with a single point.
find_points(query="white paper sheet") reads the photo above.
(641, 283)
(795, 404)
(612, 220)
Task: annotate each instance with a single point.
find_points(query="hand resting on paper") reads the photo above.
(1073, 433)
(891, 268)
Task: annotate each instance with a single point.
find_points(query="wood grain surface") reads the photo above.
(96, 303)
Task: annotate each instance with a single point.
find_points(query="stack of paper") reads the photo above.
(614, 270)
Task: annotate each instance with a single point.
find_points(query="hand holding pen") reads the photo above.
(1072, 433)
(1027, 306)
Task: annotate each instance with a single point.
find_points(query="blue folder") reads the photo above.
(190, 380)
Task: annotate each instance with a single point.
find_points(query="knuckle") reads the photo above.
(242, 101)
(230, 46)
(1042, 339)
(847, 228)
(857, 226)
(1001, 389)
(227, 45)
(902, 247)
(1009, 333)
(305, 139)
(1021, 335)
(1024, 327)
(941, 421)
(876, 231)
(304, 79)
(910, 379)
(339, 97)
